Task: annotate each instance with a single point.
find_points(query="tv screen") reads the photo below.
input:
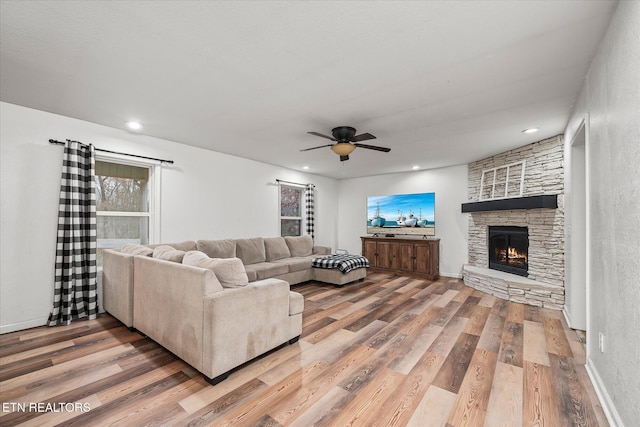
(402, 214)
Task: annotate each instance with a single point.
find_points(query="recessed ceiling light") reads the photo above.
(531, 130)
(134, 125)
(305, 167)
(415, 167)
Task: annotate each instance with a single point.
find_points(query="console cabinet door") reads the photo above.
(384, 255)
(407, 256)
(423, 259)
(370, 252)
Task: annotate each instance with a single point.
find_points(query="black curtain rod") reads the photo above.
(53, 141)
(296, 183)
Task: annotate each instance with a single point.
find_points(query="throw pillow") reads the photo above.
(276, 248)
(168, 253)
(136, 250)
(229, 271)
(300, 245)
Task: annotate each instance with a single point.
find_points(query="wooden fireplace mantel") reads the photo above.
(545, 201)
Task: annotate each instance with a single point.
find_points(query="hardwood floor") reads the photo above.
(388, 351)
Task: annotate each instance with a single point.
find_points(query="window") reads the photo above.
(291, 210)
(124, 204)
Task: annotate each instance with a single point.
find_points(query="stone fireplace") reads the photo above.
(538, 276)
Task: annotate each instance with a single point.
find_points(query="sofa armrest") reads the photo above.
(117, 285)
(321, 250)
(167, 304)
(242, 323)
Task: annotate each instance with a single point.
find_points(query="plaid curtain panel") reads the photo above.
(75, 288)
(308, 201)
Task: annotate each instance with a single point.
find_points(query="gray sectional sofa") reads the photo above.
(216, 304)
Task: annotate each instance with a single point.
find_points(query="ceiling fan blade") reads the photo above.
(362, 137)
(321, 135)
(373, 147)
(343, 158)
(320, 146)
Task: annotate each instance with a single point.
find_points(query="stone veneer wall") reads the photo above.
(544, 174)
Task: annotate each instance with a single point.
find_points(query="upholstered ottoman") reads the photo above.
(340, 269)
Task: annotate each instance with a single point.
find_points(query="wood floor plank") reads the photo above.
(477, 320)
(472, 401)
(433, 410)
(557, 342)
(540, 405)
(535, 344)
(515, 312)
(361, 410)
(505, 403)
(455, 367)
(573, 401)
(491, 335)
(512, 344)
(400, 407)
(387, 351)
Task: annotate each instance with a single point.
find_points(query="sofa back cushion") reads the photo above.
(229, 271)
(168, 253)
(187, 245)
(300, 245)
(217, 248)
(276, 248)
(137, 250)
(251, 251)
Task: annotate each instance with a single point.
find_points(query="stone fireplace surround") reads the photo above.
(544, 175)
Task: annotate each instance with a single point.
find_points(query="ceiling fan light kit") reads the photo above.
(343, 148)
(346, 141)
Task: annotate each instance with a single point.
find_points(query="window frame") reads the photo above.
(153, 185)
(493, 183)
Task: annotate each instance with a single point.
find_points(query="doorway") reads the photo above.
(578, 208)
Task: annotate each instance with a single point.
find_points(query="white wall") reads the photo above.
(450, 186)
(610, 98)
(204, 195)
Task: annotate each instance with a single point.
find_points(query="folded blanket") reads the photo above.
(344, 263)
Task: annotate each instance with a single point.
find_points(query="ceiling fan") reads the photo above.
(346, 141)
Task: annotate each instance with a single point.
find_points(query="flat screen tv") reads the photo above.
(402, 214)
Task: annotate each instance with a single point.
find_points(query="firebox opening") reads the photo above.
(509, 249)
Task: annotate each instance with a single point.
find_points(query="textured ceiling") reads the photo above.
(439, 82)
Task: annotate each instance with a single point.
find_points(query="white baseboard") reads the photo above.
(12, 327)
(605, 400)
(452, 275)
(567, 317)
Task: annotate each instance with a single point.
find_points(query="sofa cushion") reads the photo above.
(300, 245)
(266, 270)
(276, 248)
(296, 303)
(136, 250)
(217, 248)
(251, 251)
(229, 271)
(296, 264)
(168, 253)
(251, 274)
(187, 245)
